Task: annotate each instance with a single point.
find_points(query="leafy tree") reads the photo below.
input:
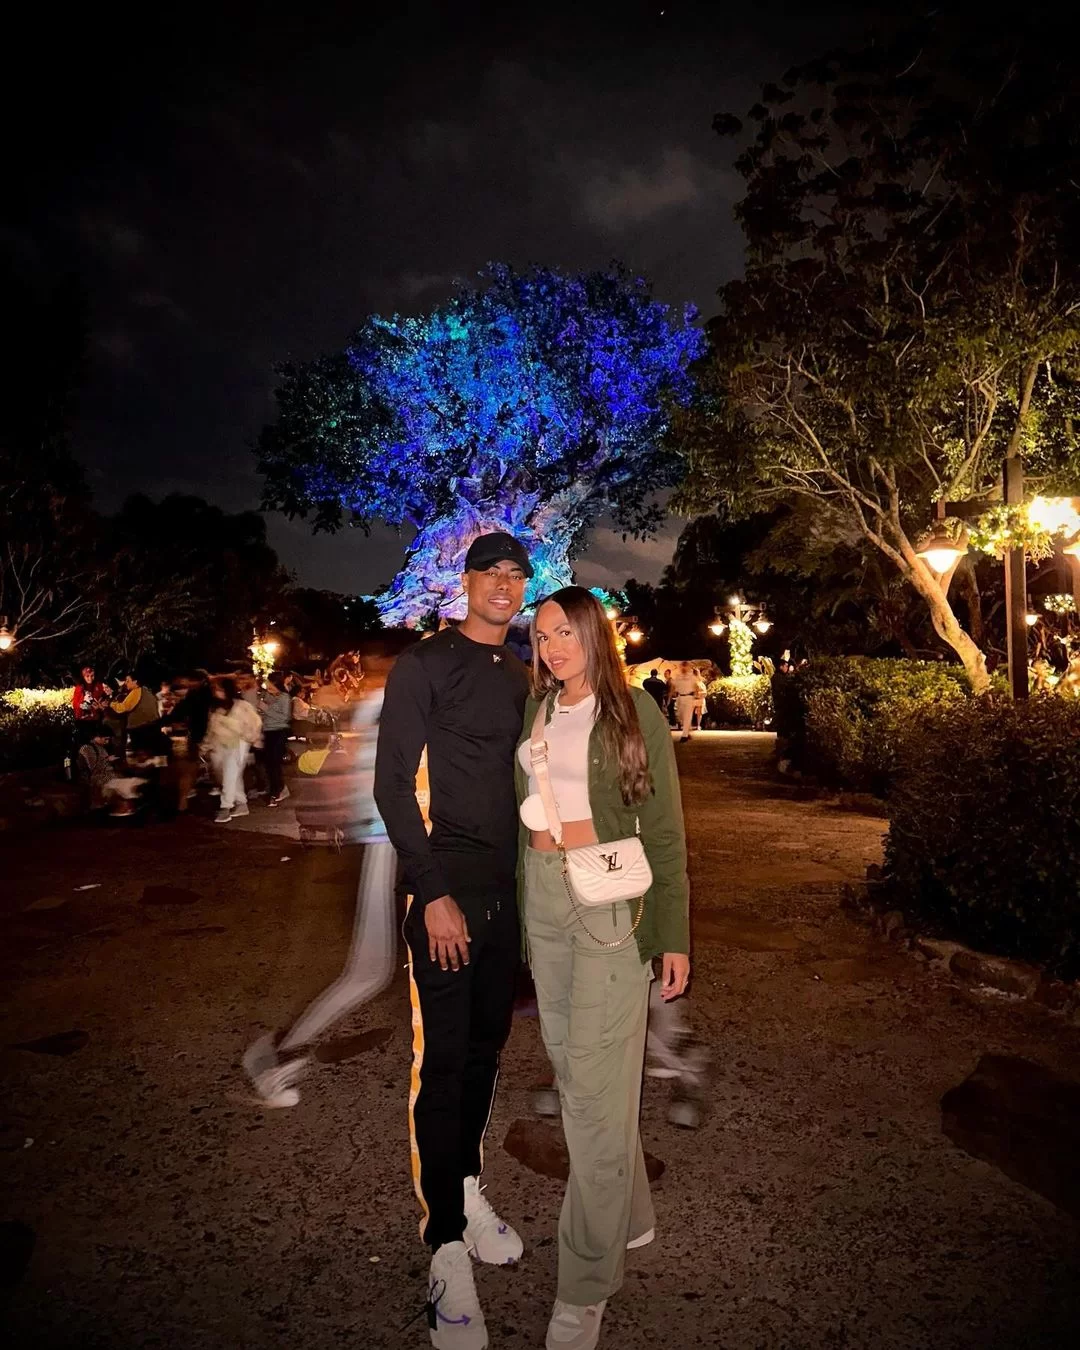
(184, 582)
(531, 404)
(910, 312)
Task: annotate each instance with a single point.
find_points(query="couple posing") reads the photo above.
(589, 761)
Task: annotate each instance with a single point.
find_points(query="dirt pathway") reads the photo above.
(819, 1205)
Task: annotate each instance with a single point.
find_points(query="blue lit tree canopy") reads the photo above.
(532, 404)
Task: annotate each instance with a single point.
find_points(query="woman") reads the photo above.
(234, 728)
(89, 698)
(611, 767)
(275, 708)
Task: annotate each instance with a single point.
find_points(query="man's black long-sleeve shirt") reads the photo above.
(464, 701)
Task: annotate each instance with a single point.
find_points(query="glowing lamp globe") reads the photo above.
(612, 613)
(939, 551)
(7, 638)
(634, 635)
(762, 625)
(717, 628)
(1031, 620)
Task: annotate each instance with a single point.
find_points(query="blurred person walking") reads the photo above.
(275, 1064)
(596, 767)
(460, 693)
(234, 728)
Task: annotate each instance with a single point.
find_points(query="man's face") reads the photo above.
(495, 595)
(129, 682)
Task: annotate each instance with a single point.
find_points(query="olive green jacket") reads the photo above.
(665, 923)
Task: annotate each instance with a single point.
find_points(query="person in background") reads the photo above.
(607, 770)
(671, 714)
(684, 688)
(701, 690)
(93, 765)
(275, 1065)
(234, 728)
(166, 700)
(138, 706)
(275, 708)
(657, 688)
(89, 698)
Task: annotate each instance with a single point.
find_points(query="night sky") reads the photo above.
(235, 186)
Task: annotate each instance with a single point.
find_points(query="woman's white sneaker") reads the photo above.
(574, 1328)
(487, 1237)
(453, 1310)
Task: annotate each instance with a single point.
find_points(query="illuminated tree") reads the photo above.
(532, 404)
(910, 314)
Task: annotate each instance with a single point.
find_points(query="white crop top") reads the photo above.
(567, 736)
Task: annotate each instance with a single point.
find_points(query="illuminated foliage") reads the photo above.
(531, 404)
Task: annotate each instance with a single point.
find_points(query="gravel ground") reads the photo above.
(818, 1205)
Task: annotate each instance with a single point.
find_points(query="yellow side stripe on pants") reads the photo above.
(414, 1083)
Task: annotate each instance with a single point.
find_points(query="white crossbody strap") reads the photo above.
(538, 754)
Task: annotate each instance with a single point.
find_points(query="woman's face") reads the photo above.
(557, 643)
(88, 674)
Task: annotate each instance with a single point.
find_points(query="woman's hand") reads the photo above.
(675, 975)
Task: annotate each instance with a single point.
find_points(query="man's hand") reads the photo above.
(676, 973)
(448, 933)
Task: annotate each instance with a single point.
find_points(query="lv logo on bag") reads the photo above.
(612, 860)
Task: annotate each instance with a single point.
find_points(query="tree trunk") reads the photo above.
(968, 583)
(429, 584)
(946, 624)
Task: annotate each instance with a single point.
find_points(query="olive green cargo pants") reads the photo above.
(593, 1005)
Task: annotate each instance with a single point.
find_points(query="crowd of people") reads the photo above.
(139, 748)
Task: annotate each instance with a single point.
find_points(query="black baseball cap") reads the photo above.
(486, 549)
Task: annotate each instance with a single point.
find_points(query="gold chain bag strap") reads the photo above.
(593, 874)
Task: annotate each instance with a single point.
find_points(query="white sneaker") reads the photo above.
(454, 1314)
(223, 816)
(642, 1241)
(283, 795)
(574, 1328)
(241, 810)
(487, 1237)
(272, 1079)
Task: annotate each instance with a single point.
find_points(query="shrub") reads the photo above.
(984, 835)
(36, 728)
(739, 701)
(844, 719)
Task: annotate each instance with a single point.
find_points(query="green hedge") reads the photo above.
(984, 835)
(739, 701)
(844, 719)
(34, 735)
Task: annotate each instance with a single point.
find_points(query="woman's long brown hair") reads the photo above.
(616, 715)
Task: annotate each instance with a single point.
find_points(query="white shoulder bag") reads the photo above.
(593, 874)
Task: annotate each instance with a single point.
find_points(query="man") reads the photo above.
(137, 704)
(461, 694)
(684, 688)
(657, 688)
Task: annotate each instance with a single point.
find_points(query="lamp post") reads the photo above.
(740, 618)
(942, 554)
(626, 629)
